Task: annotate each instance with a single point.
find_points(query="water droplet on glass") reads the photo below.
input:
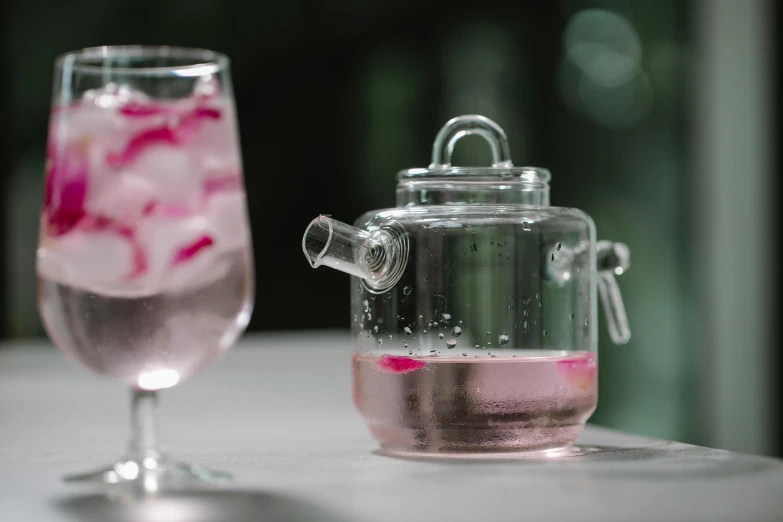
(526, 312)
(460, 322)
(477, 346)
(407, 290)
(457, 331)
(545, 332)
(493, 355)
(571, 315)
(410, 352)
(446, 317)
(502, 339)
(488, 333)
(552, 258)
(355, 318)
(398, 316)
(435, 324)
(380, 341)
(369, 317)
(558, 246)
(390, 337)
(464, 354)
(526, 226)
(441, 336)
(421, 317)
(433, 350)
(407, 330)
(375, 328)
(586, 322)
(489, 352)
(451, 343)
(538, 296)
(424, 331)
(526, 325)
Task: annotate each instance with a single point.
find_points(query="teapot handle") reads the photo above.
(466, 125)
(613, 259)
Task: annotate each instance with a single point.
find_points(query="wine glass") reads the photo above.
(144, 262)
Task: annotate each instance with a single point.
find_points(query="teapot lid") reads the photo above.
(467, 125)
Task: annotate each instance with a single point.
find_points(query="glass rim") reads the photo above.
(204, 61)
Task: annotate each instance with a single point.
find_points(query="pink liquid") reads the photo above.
(144, 260)
(434, 405)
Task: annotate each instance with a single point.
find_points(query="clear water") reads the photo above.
(450, 405)
(151, 341)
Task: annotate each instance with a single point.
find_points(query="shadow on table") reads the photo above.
(670, 461)
(196, 506)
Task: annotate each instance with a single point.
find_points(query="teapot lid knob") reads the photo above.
(466, 125)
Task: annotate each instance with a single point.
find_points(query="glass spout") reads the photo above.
(378, 257)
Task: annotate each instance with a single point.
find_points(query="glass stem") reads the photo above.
(144, 441)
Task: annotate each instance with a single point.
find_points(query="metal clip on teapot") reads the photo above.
(474, 306)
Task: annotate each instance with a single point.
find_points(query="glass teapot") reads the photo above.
(474, 306)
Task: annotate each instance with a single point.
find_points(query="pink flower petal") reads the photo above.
(66, 187)
(136, 109)
(222, 184)
(188, 252)
(164, 135)
(166, 210)
(155, 136)
(580, 371)
(399, 364)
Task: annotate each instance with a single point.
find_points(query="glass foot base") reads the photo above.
(151, 475)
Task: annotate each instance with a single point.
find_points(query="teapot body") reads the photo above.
(474, 306)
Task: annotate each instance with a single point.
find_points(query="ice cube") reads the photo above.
(163, 238)
(170, 170)
(99, 261)
(124, 198)
(227, 215)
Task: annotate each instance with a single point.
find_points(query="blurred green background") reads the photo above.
(654, 117)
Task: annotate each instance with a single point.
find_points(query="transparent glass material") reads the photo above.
(144, 260)
(486, 341)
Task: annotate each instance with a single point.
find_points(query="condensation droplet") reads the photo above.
(526, 226)
(502, 339)
(526, 325)
(526, 312)
(435, 324)
(424, 331)
(446, 317)
(460, 323)
(441, 336)
(538, 296)
(451, 343)
(410, 352)
(380, 341)
(545, 332)
(405, 344)
(457, 331)
(390, 337)
(421, 317)
(586, 322)
(558, 246)
(489, 333)
(375, 328)
(407, 330)
(477, 346)
(464, 354)
(407, 290)
(571, 315)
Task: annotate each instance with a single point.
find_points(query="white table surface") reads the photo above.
(277, 413)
